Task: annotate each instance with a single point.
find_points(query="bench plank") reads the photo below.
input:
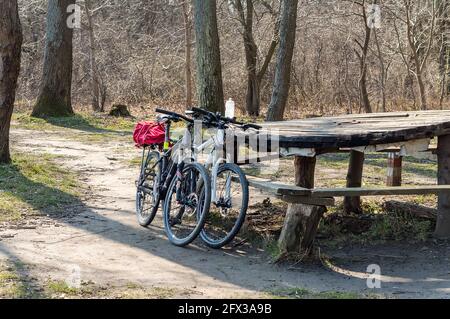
(385, 190)
(277, 188)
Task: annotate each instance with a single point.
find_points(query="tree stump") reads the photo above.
(354, 179)
(302, 220)
(119, 110)
(443, 218)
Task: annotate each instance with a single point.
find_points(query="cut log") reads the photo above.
(414, 210)
(394, 170)
(443, 219)
(354, 179)
(302, 220)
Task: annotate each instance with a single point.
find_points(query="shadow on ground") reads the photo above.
(398, 275)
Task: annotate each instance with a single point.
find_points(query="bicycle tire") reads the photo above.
(146, 219)
(201, 210)
(220, 242)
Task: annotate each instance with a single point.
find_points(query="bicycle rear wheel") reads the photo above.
(227, 214)
(147, 193)
(187, 204)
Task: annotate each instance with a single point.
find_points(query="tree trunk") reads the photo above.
(55, 92)
(382, 73)
(254, 77)
(253, 99)
(444, 54)
(364, 95)
(95, 84)
(209, 69)
(354, 179)
(422, 93)
(280, 92)
(302, 220)
(365, 102)
(188, 48)
(251, 56)
(10, 49)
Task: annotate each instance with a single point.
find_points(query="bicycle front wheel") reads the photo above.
(187, 204)
(227, 213)
(147, 192)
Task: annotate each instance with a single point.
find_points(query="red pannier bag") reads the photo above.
(148, 133)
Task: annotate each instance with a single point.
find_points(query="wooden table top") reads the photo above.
(360, 129)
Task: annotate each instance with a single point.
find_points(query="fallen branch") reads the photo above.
(414, 210)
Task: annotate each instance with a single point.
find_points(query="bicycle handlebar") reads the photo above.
(204, 112)
(219, 117)
(185, 118)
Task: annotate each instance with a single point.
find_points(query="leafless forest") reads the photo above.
(139, 52)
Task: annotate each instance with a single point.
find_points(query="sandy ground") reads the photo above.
(100, 237)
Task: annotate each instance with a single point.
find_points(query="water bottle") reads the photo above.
(229, 109)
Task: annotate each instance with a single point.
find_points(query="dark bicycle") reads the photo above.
(168, 174)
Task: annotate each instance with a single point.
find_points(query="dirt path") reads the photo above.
(105, 243)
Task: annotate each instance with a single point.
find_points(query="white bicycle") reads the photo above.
(229, 185)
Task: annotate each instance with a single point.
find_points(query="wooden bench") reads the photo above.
(325, 196)
(289, 193)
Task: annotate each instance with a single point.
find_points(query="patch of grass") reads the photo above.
(61, 287)
(339, 295)
(336, 161)
(86, 127)
(302, 293)
(375, 225)
(7, 275)
(34, 182)
(13, 285)
(413, 166)
(272, 248)
(82, 121)
(395, 226)
(138, 292)
(429, 199)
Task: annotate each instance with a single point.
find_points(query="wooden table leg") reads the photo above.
(354, 179)
(443, 217)
(394, 170)
(302, 220)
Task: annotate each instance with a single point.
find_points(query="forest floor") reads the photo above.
(67, 207)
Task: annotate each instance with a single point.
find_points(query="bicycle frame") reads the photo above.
(213, 160)
(172, 160)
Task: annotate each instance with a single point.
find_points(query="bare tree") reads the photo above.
(420, 22)
(187, 19)
(97, 95)
(209, 69)
(280, 92)
(56, 87)
(362, 51)
(255, 76)
(143, 61)
(383, 71)
(444, 49)
(10, 51)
